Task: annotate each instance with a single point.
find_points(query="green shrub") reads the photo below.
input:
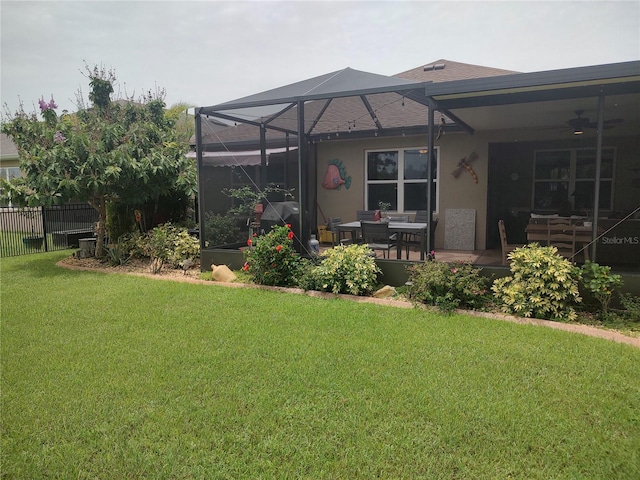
(118, 253)
(163, 244)
(220, 230)
(343, 269)
(448, 286)
(272, 260)
(631, 304)
(133, 244)
(600, 282)
(543, 284)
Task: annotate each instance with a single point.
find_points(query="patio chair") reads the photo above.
(562, 235)
(506, 246)
(335, 235)
(368, 215)
(413, 240)
(421, 216)
(376, 236)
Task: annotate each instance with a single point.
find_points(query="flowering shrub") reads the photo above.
(272, 260)
(126, 151)
(343, 269)
(542, 284)
(448, 286)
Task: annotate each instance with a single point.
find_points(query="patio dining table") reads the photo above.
(394, 227)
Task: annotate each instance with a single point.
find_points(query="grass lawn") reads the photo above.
(112, 376)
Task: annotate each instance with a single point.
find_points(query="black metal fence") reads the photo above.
(45, 229)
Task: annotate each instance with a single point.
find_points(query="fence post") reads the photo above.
(44, 228)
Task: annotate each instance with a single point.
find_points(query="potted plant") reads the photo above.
(384, 208)
(33, 242)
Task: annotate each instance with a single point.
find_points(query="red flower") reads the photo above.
(245, 267)
(279, 247)
(255, 234)
(249, 242)
(289, 226)
(290, 235)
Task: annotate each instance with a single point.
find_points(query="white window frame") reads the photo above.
(9, 173)
(572, 179)
(400, 181)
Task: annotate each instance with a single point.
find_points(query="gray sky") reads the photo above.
(208, 52)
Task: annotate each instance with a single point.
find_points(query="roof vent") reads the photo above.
(434, 66)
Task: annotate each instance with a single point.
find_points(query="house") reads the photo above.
(9, 158)
(505, 146)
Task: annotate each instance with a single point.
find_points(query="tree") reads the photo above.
(184, 122)
(112, 152)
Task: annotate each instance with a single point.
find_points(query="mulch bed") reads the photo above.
(141, 268)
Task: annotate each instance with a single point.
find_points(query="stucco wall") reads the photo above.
(462, 192)
(459, 192)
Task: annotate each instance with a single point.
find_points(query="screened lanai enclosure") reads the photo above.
(469, 145)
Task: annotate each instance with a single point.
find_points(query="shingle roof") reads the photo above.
(445, 71)
(8, 149)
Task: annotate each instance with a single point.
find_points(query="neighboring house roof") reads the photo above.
(8, 149)
(446, 71)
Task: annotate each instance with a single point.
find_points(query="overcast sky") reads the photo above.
(208, 52)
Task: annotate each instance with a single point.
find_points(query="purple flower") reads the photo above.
(59, 137)
(44, 106)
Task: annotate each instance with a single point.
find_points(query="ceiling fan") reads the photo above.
(580, 123)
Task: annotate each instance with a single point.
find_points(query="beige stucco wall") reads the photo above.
(459, 192)
(462, 192)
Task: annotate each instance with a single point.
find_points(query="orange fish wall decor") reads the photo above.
(336, 176)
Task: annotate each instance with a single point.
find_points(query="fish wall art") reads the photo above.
(336, 176)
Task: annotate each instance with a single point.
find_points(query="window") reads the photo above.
(8, 173)
(399, 177)
(568, 177)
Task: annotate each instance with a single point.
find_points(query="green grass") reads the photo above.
(112, 376)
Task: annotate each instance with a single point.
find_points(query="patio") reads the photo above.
(488, 146)
(476, 257)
